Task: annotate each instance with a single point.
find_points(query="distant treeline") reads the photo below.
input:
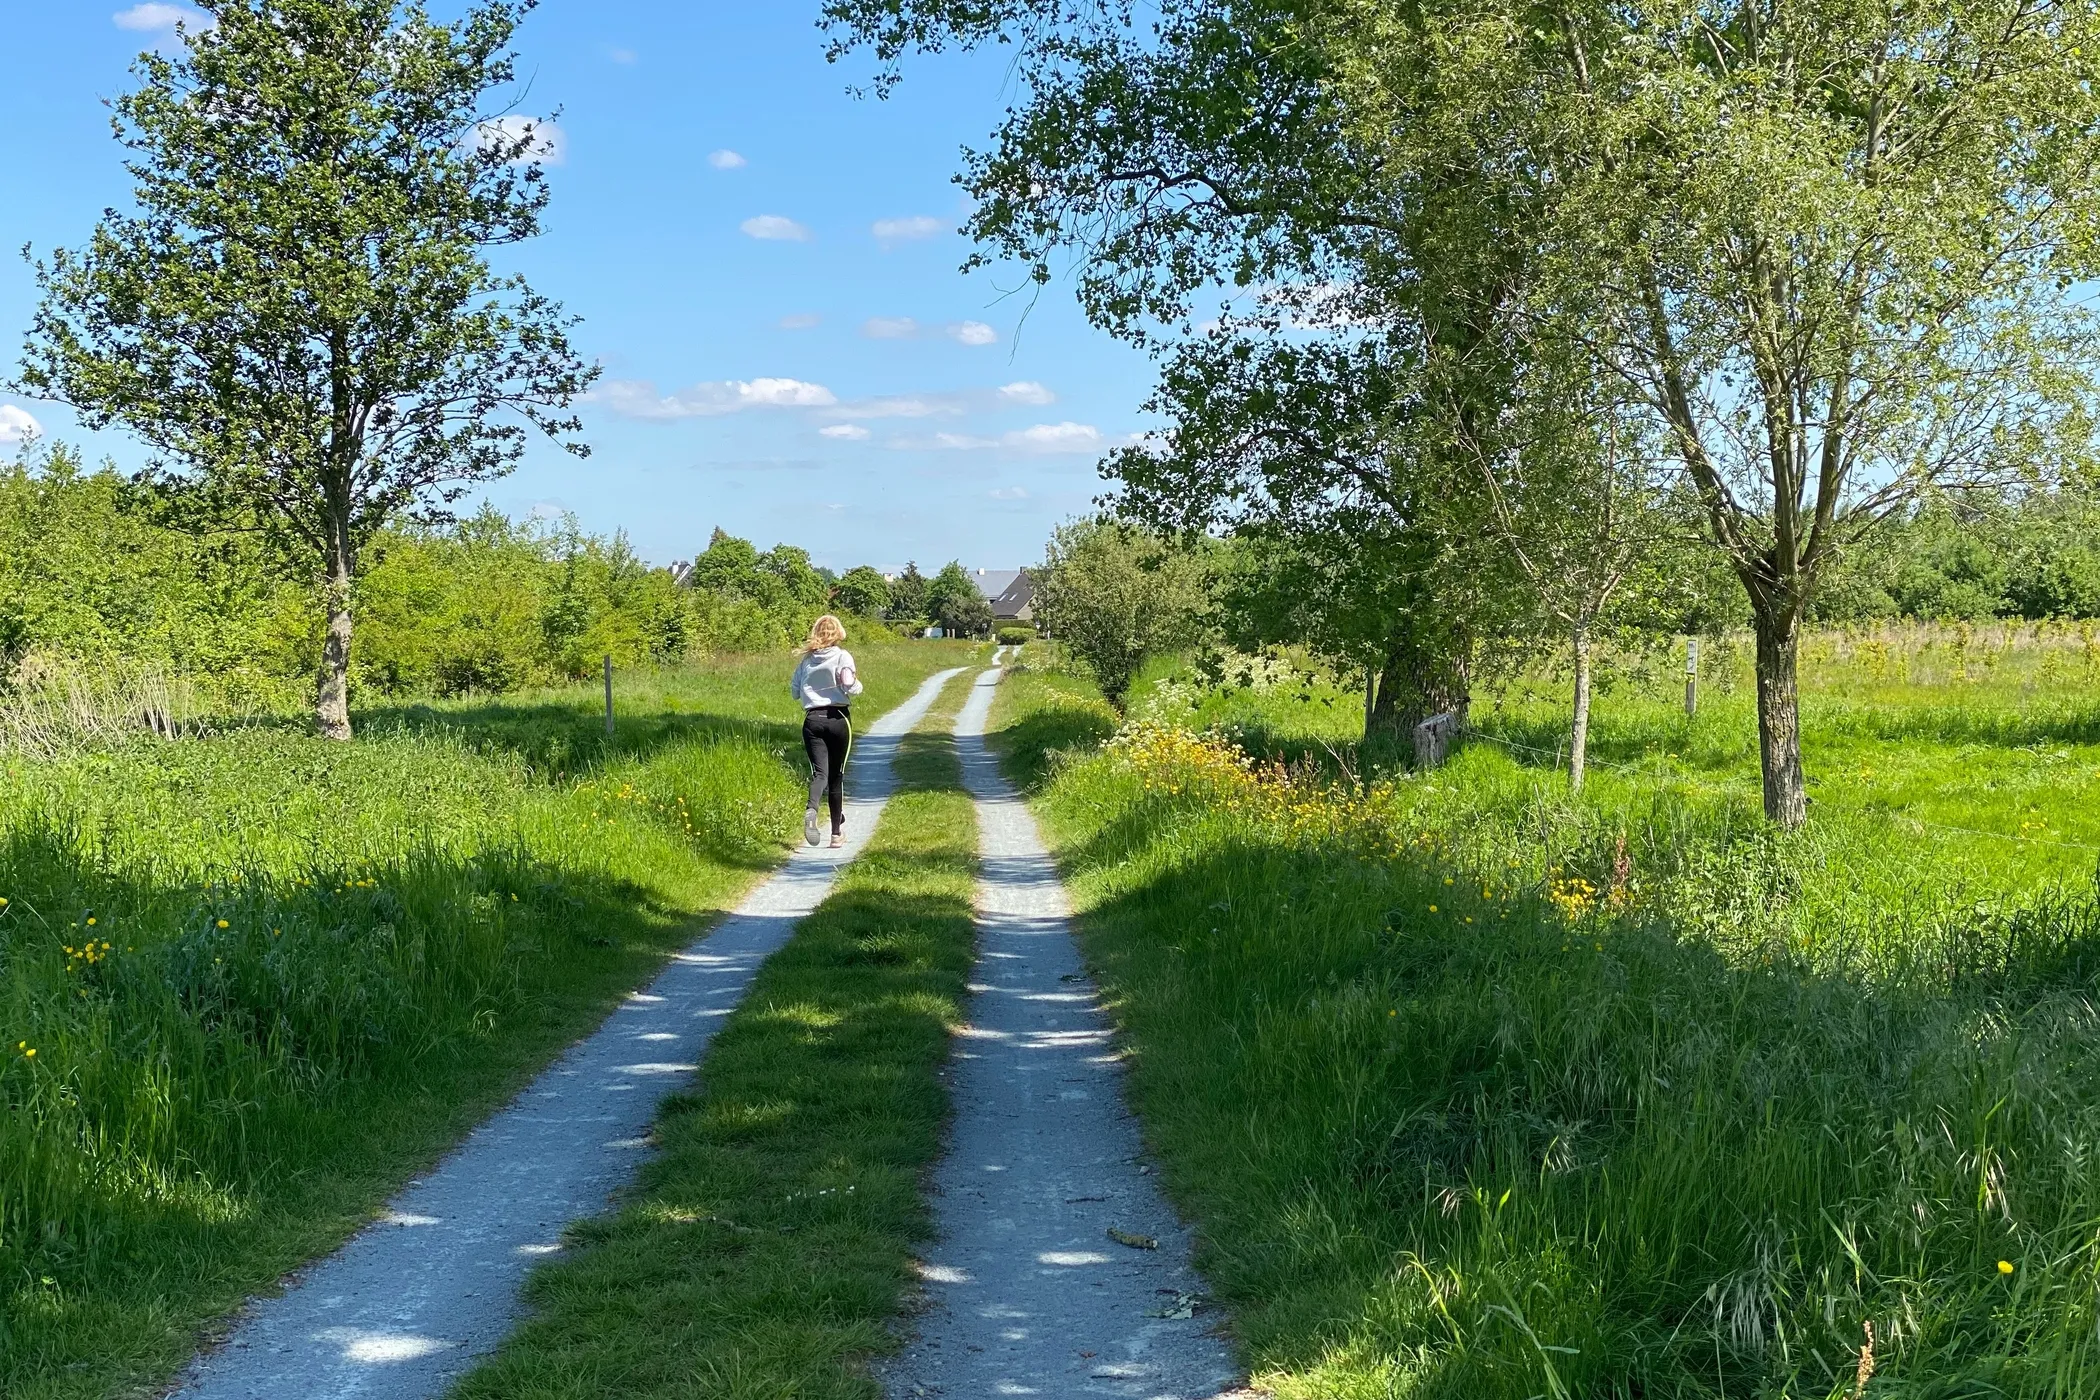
(96, 571)
(2033, 557)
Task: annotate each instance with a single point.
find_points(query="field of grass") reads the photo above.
(1475, 1089)
(250, 982)
(767, 1247)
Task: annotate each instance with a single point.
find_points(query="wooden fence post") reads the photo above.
(1691, 676)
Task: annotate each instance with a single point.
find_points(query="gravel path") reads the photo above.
(415, 1298)
(1030, 1292)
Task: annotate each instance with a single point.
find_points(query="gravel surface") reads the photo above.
(411, 1301)
(1060, 1270)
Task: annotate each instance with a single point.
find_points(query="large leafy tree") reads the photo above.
(1315, 456)
(299, 315)
(1832, 250)
(1197, 153)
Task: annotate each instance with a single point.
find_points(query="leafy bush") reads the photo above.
(1016, 636)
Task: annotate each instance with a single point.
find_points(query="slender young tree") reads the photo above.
(299, 317)
(1574, 491)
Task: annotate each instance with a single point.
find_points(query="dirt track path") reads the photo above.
(411, 1301)
(1030, 1293)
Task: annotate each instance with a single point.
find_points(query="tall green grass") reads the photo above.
(266, 978)
(1475, 1089)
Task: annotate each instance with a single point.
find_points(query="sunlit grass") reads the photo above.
(1477, 1089)
(324, 964)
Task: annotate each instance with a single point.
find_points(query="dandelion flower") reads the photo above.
(1432, 908)
(2004, 1265)
(30, 1053)
(223, 924)
(91, 923)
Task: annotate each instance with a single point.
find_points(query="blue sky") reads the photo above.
(765, 265)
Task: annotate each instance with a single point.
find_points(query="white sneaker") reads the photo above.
(812, 829)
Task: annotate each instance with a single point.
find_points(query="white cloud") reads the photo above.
(775, 228)
(800, 321)
(850, 432)
(1043, 439)
(1010, 493)
(973, 333)
(1057, 437)
(622, 56)
(889, 328)
(549, 145)
(726, 159)
(633, 398)
(17, 426)
(904, 230)
(1027, 391)
(907, 406)
(153, 18)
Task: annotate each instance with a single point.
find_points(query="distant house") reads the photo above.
(1011, 592)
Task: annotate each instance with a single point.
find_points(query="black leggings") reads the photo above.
(828, 736)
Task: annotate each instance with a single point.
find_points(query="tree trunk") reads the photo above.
(1779, 715)
(1422, 676)
(1579, 741)
(332, 690)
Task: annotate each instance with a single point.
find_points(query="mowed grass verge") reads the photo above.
(1468, 1099)
(267, 979)
(766, 1250)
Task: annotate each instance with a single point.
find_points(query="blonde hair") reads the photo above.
(826, 631)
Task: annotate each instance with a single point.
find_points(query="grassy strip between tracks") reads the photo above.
(766, 1250)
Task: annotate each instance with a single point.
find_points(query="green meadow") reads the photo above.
(250, 981)
(1474, 1088)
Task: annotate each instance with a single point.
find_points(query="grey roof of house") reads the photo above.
(993, 582)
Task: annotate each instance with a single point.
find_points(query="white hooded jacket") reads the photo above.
(825, 677)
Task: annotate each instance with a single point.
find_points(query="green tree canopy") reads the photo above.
(955, 603)
(1115, 595)
(908, 595)
(863, 591)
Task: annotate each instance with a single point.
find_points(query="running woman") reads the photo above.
(826, 682)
